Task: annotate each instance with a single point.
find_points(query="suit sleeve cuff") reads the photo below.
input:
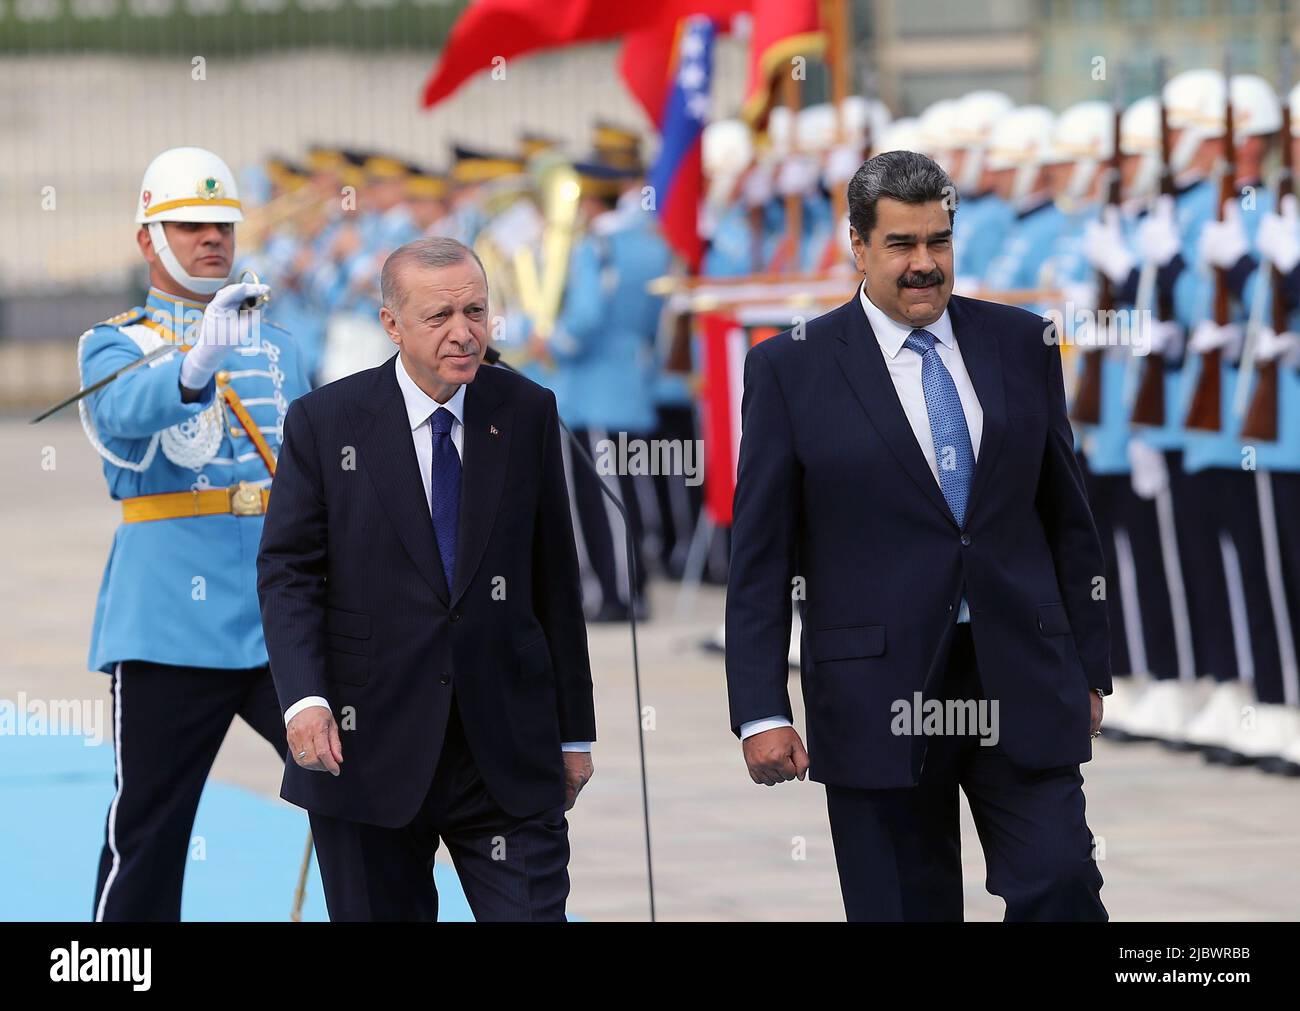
(576, 746)
(752, 727)
(301, 704)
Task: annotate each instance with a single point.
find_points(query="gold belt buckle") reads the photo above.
(246, 499)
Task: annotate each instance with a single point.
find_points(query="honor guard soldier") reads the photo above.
(979, 230)
(189, 445)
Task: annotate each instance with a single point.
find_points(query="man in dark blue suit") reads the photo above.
(907, 472)
(421, 602)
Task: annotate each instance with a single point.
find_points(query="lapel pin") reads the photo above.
(493, 430)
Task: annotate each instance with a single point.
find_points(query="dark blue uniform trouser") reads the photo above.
(510, 868)
(899, 851)
(168, 724)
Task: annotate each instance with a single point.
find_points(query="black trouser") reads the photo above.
(1284, 488)
(678, 502)
(898, 851)
(511, 868)
(168, 724)
(602, 528)
(1218, 506)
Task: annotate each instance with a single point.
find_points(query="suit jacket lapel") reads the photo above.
(387, 454)
(983, 360)
(487, 449)
(864, 366)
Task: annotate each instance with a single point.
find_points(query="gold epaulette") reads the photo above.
(123, 318)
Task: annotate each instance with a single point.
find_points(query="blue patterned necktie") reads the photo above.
(446, 489)
(952, 446)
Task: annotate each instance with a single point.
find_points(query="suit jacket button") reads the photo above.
(965, 540)
(445, 679)
(455, 616)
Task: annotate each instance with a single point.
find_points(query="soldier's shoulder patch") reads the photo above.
(125, 318)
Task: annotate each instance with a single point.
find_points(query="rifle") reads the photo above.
(1206, 412)
(1149, 405)
(1261, 417)
(1087, 399)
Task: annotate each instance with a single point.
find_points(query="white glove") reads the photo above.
(758, 186)
(1081, 296)
(1279, 236)
(1150, 473)
(1223, 243)
(798, 174)
(1164, 338)
(1209, 336)
(1157, 237)
(842, 164)
(224, 326)
(1105, 248)
(1270, 345)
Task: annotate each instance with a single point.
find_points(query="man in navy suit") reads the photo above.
(421, 602)
(907, 472)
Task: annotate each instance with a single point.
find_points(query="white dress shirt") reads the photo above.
(420, 409)
(905, 370)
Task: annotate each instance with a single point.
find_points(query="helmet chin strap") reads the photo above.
(198, 285)
(1185, 149)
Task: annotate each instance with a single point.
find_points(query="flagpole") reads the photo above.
(838, 24)
(791, 91)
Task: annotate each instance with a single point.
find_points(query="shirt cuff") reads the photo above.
(758, 726)
(576, 746)
(301, 704)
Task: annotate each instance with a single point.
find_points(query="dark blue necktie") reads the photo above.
(446, 489)
(952, 445)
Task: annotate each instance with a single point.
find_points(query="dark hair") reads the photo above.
(900, 175)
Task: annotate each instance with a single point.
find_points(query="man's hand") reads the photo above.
(577, 771)
(314, 740)
(775, 756)
(1097, 707)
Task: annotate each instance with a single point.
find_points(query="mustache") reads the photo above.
(921, 280)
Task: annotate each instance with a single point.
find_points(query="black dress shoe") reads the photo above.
(1279, 766)
(1228, 757)
(610, 611)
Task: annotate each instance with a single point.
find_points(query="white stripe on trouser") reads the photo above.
(586, 571)
(617, 531)
(1130, 604)
(1177, 589)
(112, 810)
(1277, 589)
(1237, 609)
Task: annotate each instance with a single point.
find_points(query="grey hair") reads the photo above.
(434, 251)
(900, 175)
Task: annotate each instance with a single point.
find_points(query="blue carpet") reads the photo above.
(54, 795)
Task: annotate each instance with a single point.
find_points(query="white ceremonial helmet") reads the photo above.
(1139, 135)
(977, 113)
(817, 128)
(1194, 101)
(1022, 140)
(864, 118)
(1085, 135)
(863, 121)
(1193, 104)
(938, 128)
(902, 135)
(186, 184)
(1256, 109)
(726, 150)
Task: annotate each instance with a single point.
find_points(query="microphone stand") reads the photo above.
(493, 357)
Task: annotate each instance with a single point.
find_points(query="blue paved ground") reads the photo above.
(54, 795)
